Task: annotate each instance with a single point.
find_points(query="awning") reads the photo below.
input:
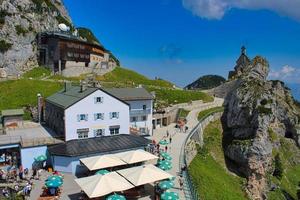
(100, 185)
(102, 162)
(142, 175)
(135, 156)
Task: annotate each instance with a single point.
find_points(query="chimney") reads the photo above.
(83, 86)
(67, 86)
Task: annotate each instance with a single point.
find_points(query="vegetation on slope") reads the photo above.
(182, 113)
(204, 113)
(23, 92)
(208, 171)
(88, 35)
(206, 82)
(37, 72)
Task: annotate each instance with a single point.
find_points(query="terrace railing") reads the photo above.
(185, 159)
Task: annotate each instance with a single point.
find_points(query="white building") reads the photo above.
(141, 108)
(86, 112)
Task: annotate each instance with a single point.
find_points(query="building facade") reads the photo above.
(78, 113)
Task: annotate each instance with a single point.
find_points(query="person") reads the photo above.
(166, 148)
(186, 128)
(21, 172)
(170, 139)
(181, 183)
(167, 133)
(5, 192)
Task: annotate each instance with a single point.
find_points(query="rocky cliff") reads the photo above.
(256, 112)
(20, 20)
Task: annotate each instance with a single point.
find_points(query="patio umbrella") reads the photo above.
(102, 172)
(116, 197)
(164, 162)
(163, 142)
(169, 196)
(53, 184)
(172, 179)
(165, 167)
(102, 162)
(164, 154)
(54, 178)
(165, 185)
(40, 158)
(142, 175)
(135, 156)
(101, 185)
(168, 158)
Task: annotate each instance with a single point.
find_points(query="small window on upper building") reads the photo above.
(98, 99)
(144, 107)
(99, 132)
(83, 133)
(144, 118)
(114, 130)
(114, 115)
(133, 119)
(99, 116)
(82, 117)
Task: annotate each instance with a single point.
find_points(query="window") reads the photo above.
(144, 118)
(98, 116)
(114, 115)
(143, 130)
(114, 130)
(133, 119)
(83, 133)
(98, 99)
(144, 107)
(82, 117)
(99, 132)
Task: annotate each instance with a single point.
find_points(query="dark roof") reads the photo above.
(73, 94)
(105, 144)
(130, 93)
(12, 112)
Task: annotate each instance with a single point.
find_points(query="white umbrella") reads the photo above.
(142, 175)
(100, 185)
(136, 156)
(102, 162)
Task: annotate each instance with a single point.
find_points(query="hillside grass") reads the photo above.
(23, 92)
(208, 172)
(288, 184)
(37, 73)
(182, 113)
(204, 113)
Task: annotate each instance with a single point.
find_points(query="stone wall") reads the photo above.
(196, 137)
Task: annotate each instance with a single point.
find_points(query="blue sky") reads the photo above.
(180, 40)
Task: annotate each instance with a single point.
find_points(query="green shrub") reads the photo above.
(4, 46)
(264, 110)
(278, 167)
(20, 30)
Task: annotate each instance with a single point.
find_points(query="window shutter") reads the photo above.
(78, 118)
(95, 133)
(118, 115)
(102, 116)
(86, 117)
(95, 99)
(95, 116)
(110, 115)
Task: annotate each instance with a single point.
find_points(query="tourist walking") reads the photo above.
(168, 133)
(170, 139)
(166, 148)
(180, 183)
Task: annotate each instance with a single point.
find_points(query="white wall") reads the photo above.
(137, 105)
(28, 155)
(88, 106)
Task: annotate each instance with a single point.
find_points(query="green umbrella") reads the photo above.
(164, 154)
(54, 178)
(41, 158)
(172, 179)
(169, 196)
(165, 167)
(163, 142)
(165, 185)
(53, 184)
(102, 172)
(116, 197)
(164, 162)
(168, 158)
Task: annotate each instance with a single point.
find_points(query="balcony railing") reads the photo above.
(140, 112)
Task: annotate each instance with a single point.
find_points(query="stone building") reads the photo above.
(242, 62)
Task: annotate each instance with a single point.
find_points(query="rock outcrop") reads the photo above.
(20, 20)
(254, 108)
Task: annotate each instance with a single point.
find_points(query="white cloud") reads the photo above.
(215, 9)
(287, 74)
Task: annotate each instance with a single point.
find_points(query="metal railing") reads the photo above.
(191, 191)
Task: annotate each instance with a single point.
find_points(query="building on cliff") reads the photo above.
(71, 55)
(242, 62)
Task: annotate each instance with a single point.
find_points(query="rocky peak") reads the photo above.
(252, 107)
(20, 21)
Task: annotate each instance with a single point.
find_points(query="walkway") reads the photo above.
(178, 139)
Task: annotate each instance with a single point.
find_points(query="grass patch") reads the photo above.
(23, 92)
(204, 113)
(131, 78)
(183, 113)
(4, 46)
(209, 176)
(37, 72)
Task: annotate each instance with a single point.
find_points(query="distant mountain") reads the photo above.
(206, 82)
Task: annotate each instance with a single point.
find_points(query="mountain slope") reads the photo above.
(206, 82)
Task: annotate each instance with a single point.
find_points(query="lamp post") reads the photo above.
(39, 108)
